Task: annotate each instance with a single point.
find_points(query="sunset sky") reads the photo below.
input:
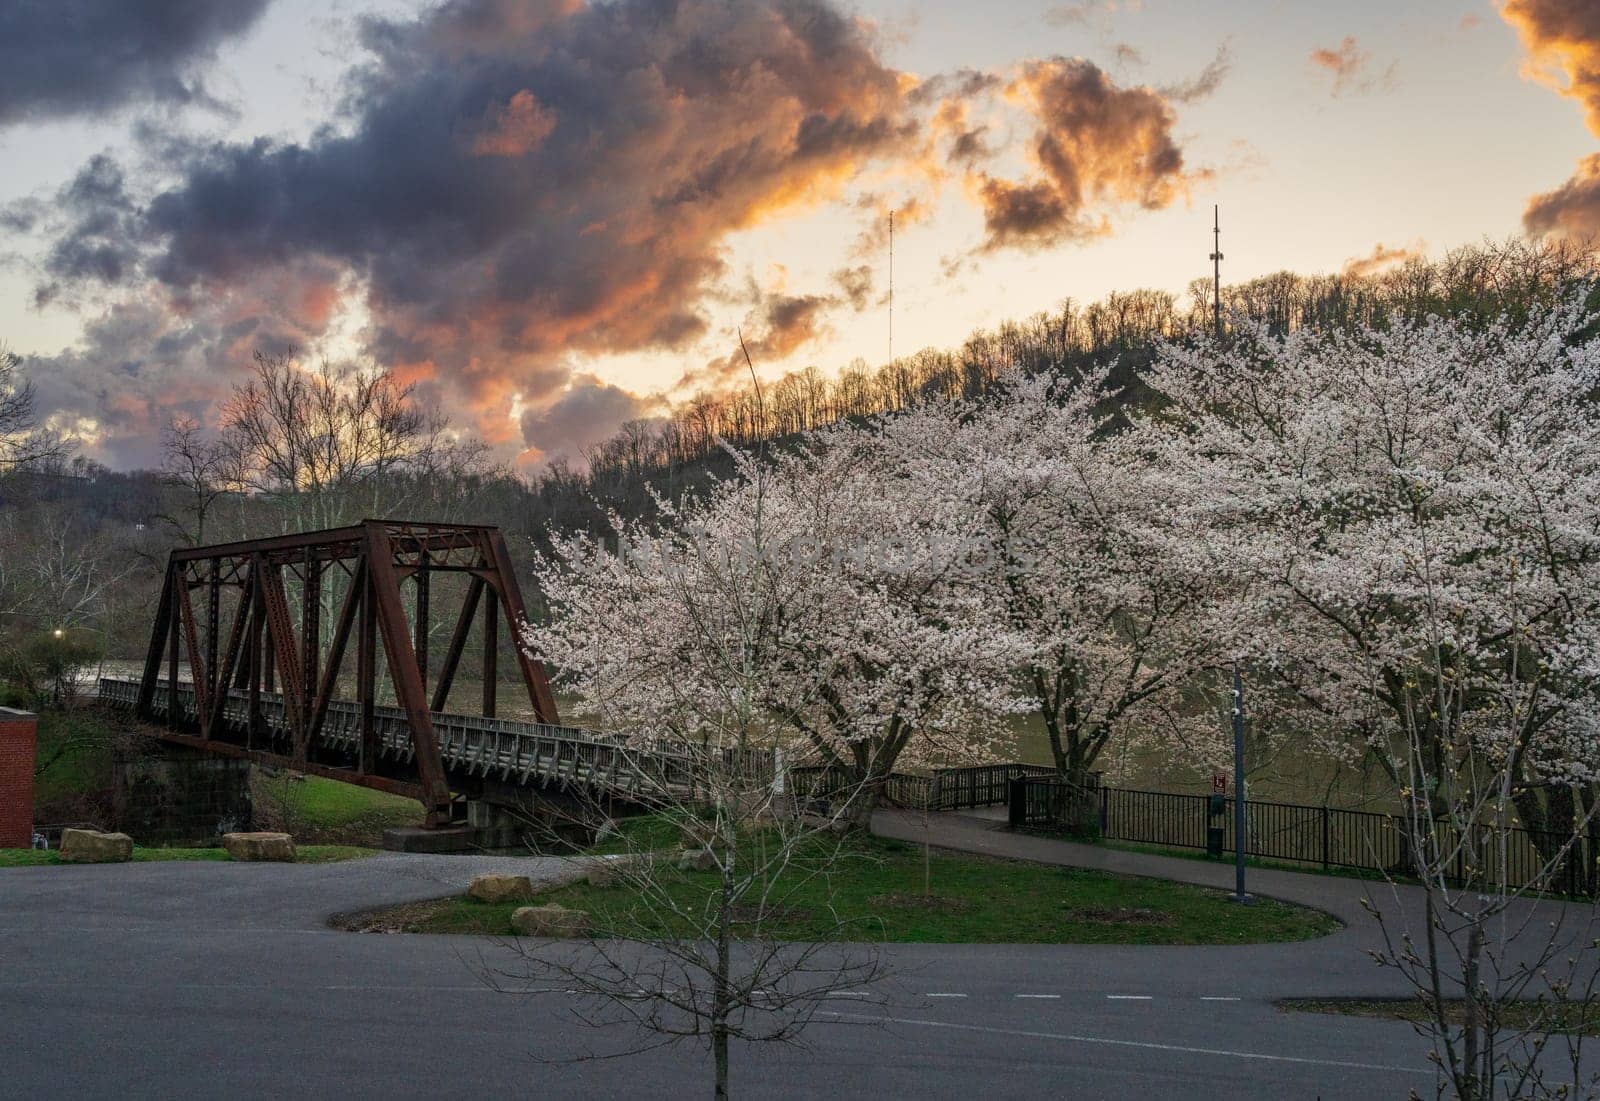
(552, 216)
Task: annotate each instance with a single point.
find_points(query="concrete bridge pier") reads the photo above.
(165, 793)
(503, 816)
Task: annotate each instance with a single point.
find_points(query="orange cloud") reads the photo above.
(1350, 65)
(518, 129)
(526, 184)
(1563, 41)
(1096, 143)
(1382, 256)
(1573, 209)
(783, 324)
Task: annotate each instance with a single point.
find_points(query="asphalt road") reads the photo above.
(202, 980)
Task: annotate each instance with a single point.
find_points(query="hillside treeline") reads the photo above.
(81, 546)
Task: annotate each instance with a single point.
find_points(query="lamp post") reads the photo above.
(1239, 894)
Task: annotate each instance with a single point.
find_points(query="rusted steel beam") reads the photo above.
(533, 674)
(367, 669)
(197, 665)
(411, 537)
(230, 657)
(420, 633)
(213, 619)
(175, 580)
(229, 749)
(491, 651)
(458, 644)
(336, 648)
(285, 652)
(403, 671)
(158, 640)
(295, 542)
(258, 623)
(310, 636)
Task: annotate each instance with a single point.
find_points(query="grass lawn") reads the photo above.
(322, 810)
(78, 748)
(876, 889)
(1533, 1016)
(305, 854)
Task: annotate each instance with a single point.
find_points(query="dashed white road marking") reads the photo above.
(848, 994)
(1217, 998)
(1143, 1044)
(945, 995)
(1052, 996)
(1128, 997)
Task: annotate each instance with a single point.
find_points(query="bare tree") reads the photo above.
(202, 468)
(22, 442)
(332, 444)
(1507, 977)
(57, 570)
(694, 949)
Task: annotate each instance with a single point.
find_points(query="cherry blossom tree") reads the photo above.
(1124, 602)
(811, 604)
(1415, 514)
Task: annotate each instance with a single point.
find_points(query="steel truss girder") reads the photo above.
(275, 649)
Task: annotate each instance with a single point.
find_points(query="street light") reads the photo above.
(1239, 826)
(59, 633)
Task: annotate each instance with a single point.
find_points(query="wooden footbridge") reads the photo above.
(241, 663)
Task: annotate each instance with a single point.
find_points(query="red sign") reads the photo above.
(1219, 783)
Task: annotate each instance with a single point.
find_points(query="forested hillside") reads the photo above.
(81, 545)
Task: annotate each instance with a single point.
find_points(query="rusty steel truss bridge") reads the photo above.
(246, 622)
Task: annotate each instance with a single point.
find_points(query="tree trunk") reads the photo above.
(1472, 1084)
(1550, 815)
(720, 997)
(863, 801)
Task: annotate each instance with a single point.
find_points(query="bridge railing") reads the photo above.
(502, 749)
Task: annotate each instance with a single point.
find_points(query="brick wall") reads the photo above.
(18, 733)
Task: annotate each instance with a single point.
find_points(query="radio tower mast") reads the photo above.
(1216, 271)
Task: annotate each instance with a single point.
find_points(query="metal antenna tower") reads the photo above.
(1216, 271)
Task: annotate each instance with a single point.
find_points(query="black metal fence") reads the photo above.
(942, 789)
(1324, 836)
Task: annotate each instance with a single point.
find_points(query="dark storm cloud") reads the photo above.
(526, 181)
(584, 414)
(99, 228)
(517, 185)
(1097, 142)
(1564, 36)
(70, 57)
(158, 352)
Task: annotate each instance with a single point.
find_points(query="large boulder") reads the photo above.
(601, 873)
(549, 921)
(259, 846)
(697, 860)
(93, 847)
(501, 888)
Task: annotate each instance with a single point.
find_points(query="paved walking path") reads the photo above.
(1345, 898)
